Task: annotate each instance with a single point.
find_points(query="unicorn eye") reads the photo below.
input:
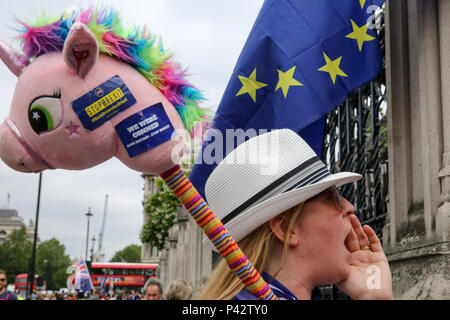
(45, 113)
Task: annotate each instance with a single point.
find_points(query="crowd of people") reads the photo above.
(96, 294)
(153, 290)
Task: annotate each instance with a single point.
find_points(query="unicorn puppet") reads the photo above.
(88, 90)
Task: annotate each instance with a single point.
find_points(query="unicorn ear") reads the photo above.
(80, 49)
(13, 59)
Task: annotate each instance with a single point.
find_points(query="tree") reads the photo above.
(51, 260)
(162, 206)
(52, 263)
(131, 253)
(15, 254)
(161, 209)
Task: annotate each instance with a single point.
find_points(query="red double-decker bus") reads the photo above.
(123, 275)
(20, 284)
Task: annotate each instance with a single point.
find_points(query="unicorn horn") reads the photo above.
(13, 58)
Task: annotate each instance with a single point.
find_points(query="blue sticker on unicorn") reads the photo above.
(145, 130)
(103, 103)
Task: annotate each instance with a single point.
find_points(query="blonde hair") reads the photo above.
(223, 284)
(179, 290)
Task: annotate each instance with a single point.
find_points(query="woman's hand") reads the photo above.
(370, 277)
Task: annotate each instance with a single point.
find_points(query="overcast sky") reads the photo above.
(207, 36)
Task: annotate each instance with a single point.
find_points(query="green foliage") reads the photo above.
(131, 253)
(161, 209)
(15, 254)
(52, 262)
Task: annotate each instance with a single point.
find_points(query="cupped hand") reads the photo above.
(370, 276)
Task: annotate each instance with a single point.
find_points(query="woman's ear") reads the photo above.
(279, 226)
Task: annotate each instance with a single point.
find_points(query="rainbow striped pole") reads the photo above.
(211, 225)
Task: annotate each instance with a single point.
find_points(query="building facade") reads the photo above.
(10, 221)
(416, 235)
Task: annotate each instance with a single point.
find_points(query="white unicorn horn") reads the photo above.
(12, 58)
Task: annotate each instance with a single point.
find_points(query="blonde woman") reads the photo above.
(285, 211)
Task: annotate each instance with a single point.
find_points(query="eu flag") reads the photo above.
(301, 60)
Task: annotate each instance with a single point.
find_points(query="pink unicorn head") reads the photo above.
(87, 91)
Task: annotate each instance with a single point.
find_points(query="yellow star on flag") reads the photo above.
(286, 80)
(250, 85)
(362, 3)
(360, 34)
(332, 67)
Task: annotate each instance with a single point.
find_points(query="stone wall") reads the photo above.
(415, 236)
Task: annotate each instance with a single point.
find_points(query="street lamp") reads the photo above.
(92, 248)
(88, 215)
(30, 279)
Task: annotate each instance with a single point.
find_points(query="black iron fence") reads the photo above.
(356, 141)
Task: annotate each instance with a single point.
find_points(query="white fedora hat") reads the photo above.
(264, 177)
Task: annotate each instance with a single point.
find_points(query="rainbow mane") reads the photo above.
(135, 46)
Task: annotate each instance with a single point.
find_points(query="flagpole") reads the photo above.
(30, 280)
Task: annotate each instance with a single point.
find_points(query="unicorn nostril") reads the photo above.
(22, 164)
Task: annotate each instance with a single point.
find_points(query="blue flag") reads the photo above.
(300, 61)
(103, 284)
(83, 280)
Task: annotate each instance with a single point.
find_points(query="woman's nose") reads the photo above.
(346, 207)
